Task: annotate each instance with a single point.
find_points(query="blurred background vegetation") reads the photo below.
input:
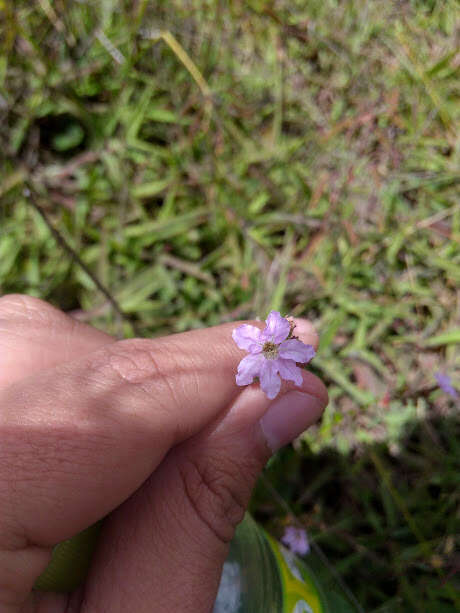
(175, 164)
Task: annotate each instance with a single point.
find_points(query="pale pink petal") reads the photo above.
(277, 328)
(296, 350)
(289, 371)
(296, 539)
(248, 338)
(269, 380)
(248, 368)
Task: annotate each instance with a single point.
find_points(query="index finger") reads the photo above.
(102, 423)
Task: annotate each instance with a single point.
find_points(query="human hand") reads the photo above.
(153, 433)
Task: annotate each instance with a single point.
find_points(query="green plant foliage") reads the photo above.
(209, 161)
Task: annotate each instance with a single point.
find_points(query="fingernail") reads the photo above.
(289, 416)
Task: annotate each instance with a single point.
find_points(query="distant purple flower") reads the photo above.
(445, 384)
(296, 540)
(272, 351)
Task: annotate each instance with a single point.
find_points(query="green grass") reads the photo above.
(208, 161)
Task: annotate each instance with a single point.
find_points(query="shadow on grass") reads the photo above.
(388, 523)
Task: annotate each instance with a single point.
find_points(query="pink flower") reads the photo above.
(296, 539)
(445, 383)
(273, 351)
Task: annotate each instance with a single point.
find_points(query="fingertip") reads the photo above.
(288, 416)
(314, 386)
(305, 330)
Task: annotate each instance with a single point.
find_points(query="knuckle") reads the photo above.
(132, 360)
(135, 361)
(24, 306)
(213, 486)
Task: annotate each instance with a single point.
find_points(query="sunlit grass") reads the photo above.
(210, 161)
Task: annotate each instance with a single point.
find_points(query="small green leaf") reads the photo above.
(70, 138)
(147, 190)
(447, 338)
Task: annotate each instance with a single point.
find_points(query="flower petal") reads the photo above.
(289, 371)
(296, 350)
(296, 539)
(248, 338)
(248, 368)
(445, 383)
(277, 328)
(269, 380)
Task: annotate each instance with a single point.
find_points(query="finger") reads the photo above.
(101, 424)
(34, 336)
(166, 544)
(78, 439)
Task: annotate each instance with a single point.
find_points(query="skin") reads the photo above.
(154, 434)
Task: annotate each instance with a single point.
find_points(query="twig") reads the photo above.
(186, 60)
(76, 258)
(428, 221)
(110, 47)
(189, 268)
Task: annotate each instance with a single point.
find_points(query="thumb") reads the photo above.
(183, 517)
